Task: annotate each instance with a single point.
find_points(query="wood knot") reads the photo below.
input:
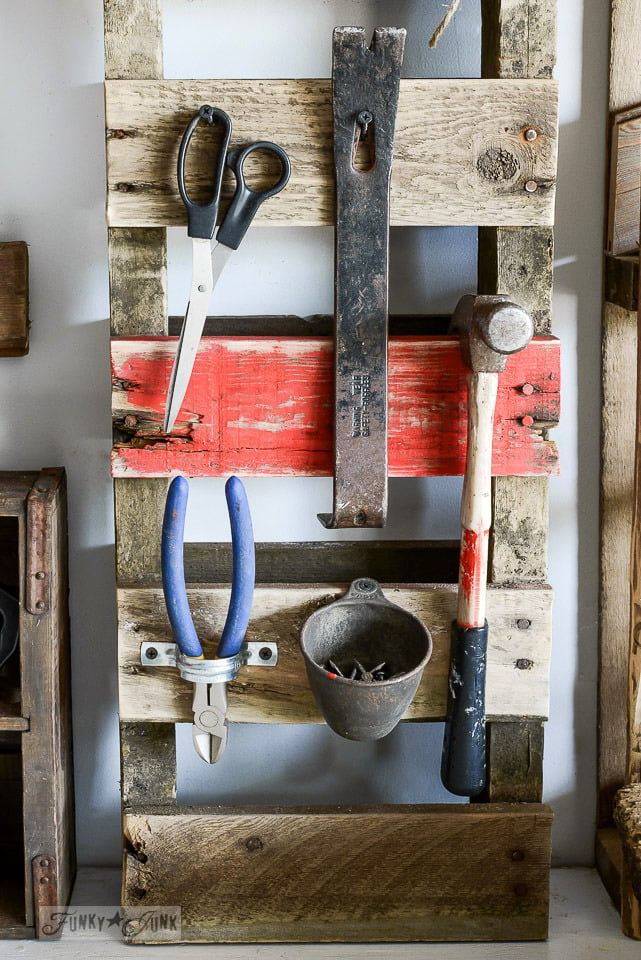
(497, 165)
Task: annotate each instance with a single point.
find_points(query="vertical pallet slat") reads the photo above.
(619, 339)
(518, 40)
(137, 275)
(617, 763)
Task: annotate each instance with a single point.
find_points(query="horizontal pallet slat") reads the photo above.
(264, 407)
(11, 717)
(461, 872)
(518, 657)
(460, 155)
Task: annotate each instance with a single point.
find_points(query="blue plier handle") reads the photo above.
(173, 573)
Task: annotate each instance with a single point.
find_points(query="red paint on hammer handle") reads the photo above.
(472, 578)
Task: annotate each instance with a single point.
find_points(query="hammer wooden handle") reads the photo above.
(476, 504)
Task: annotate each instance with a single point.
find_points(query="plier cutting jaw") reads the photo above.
(209, 729)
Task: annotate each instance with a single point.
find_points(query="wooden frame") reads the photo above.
(515, 259)
(36, 768)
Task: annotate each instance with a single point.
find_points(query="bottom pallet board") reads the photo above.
(445, 872)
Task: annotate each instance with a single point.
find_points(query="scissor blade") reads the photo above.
(202, 285)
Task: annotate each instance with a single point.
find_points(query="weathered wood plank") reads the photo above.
(281, 421)
(618, 431)
(133, 38)
(148, 754)
(514, 762)
(617, 484)
(48, 802)
(519, 262)
(520, 530)
(625, 190)
(518, 658)
(404, 873)
(518, 38)
(633, 773)
(461, 156)
(331, 561)
(14, 299)
(621, 281)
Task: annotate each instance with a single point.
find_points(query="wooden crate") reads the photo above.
(427, 879)
(36, 773)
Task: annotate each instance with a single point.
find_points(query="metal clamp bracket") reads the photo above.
(252, 653)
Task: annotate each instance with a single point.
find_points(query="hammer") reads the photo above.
(490, 328)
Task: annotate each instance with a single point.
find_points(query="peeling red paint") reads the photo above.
(263, 407)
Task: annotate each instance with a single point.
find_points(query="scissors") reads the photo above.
(209, 730)
(208, 262)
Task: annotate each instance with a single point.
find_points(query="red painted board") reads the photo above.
(263, 407)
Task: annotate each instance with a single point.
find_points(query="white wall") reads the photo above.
(55, 401)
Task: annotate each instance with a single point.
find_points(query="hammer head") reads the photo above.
(490, 328)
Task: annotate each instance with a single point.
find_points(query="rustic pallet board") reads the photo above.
(264, 407)
(461, 156)
(14, 299)
(625, 189)
(518, 657)
(619, 724)
(404, 872)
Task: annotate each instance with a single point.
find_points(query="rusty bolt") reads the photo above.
(517, 855)
(530, 134)
(40, 575)
(131, 421)
(40, 605)
(253, 844)
(44, 879)
(527, 420)
(44, 863)
(531, 186)
(523, 624)
(360, 519)
(527, 389)
(125, 187)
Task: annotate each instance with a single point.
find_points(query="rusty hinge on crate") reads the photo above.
(44, 872)
(38, 560)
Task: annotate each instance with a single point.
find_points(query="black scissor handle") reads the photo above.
(245, 202)
(201, 217)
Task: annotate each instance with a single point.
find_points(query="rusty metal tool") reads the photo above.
(490, 328)
(208, 676)
(365, 85)
(209, 262)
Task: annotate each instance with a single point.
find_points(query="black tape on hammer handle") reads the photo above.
(463, 761)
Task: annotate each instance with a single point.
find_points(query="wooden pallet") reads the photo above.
(299, 879)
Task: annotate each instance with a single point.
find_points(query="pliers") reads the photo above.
(209, 729)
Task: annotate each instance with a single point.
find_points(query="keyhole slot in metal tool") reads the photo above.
(364, 155)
